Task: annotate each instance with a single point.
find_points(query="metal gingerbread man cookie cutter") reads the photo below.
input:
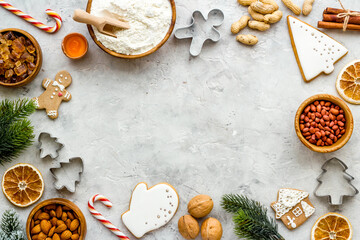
(48, 137)
(201, 29)
(335, 198)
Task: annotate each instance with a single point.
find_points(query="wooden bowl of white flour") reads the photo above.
(151, 24)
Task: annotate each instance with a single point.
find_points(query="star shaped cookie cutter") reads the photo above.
(201, 29)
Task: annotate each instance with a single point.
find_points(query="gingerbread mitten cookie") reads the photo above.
(54, 94)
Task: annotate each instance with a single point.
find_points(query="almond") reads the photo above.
(37, 222)
(36, 229)
(64, 216)
(54, 221)
(56, 237)
(66, 235)
(59, 212)
(61, 228)
(48, 238)
(43, 216)
(42, 236)
(35, 237)
(70, 215)
(52, 213)
(36, 216)
(50, 207)
(75, 237)
(59, 222)
(32, 224)
(51, 232)
(74, 225)
(65, 208)
(45, 226)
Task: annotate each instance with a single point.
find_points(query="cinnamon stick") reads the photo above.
(336, 11)
(335, 18)
(333, 25)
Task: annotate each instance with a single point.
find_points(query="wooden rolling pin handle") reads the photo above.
(84, 17)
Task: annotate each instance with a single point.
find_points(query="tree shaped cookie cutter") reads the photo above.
(335, 198)
(41, 138)
(201, 29)
(68, 174)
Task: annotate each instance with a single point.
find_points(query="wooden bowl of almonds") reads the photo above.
(56, 219)
(324, 123)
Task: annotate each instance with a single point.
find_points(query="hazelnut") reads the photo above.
(200, 206)
(188, 227)
(211, 229)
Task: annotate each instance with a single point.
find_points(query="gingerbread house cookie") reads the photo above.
(293, 207)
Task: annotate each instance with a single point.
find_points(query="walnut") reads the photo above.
(211, 229)
(200, 206)
(188, 227)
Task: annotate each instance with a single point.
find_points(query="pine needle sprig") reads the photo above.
(10, 226)
(250, 218)
(16, 132)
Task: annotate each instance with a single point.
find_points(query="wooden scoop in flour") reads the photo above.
(104, 25)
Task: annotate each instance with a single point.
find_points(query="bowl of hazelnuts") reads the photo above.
(324, 123)
(56, 219)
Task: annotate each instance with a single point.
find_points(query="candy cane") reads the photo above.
(33, 21)
(100, 217)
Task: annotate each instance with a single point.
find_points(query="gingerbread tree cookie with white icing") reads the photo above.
(54, 94)
(293, 207)
(150, 208)
(315, 51)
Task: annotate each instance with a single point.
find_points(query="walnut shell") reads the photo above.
(211, 229)
(200, 206)
(188, 227)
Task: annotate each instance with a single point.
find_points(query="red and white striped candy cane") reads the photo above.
(33, 21)
(101, 218)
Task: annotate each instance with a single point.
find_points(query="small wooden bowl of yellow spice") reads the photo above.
(57, 219)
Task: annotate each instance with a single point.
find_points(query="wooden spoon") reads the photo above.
(104, 25)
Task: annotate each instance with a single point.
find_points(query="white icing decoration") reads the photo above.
(291, 222)
(54, 93)
(56, 89)
(144, 214)
(67, 95)
(52, 97)
(47, 82)
(56, 84)
(287, 199)
(52, 113)
(36, 100)
(308, 210)
(297, 212)
(61, 75)
(312, 54)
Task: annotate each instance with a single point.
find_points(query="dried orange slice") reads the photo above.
(332, 226)
(348, 82)
(23, 185)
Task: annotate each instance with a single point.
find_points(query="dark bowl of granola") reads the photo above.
(20, 57)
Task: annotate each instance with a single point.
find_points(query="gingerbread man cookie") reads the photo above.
(54, 94)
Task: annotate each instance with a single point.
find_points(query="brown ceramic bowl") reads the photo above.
(66, 38)
(63, 202)
(38, 61)
(154, 49)
(349, 126)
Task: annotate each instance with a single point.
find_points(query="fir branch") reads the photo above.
(250, 218)
(16, 132)
(10, 226)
